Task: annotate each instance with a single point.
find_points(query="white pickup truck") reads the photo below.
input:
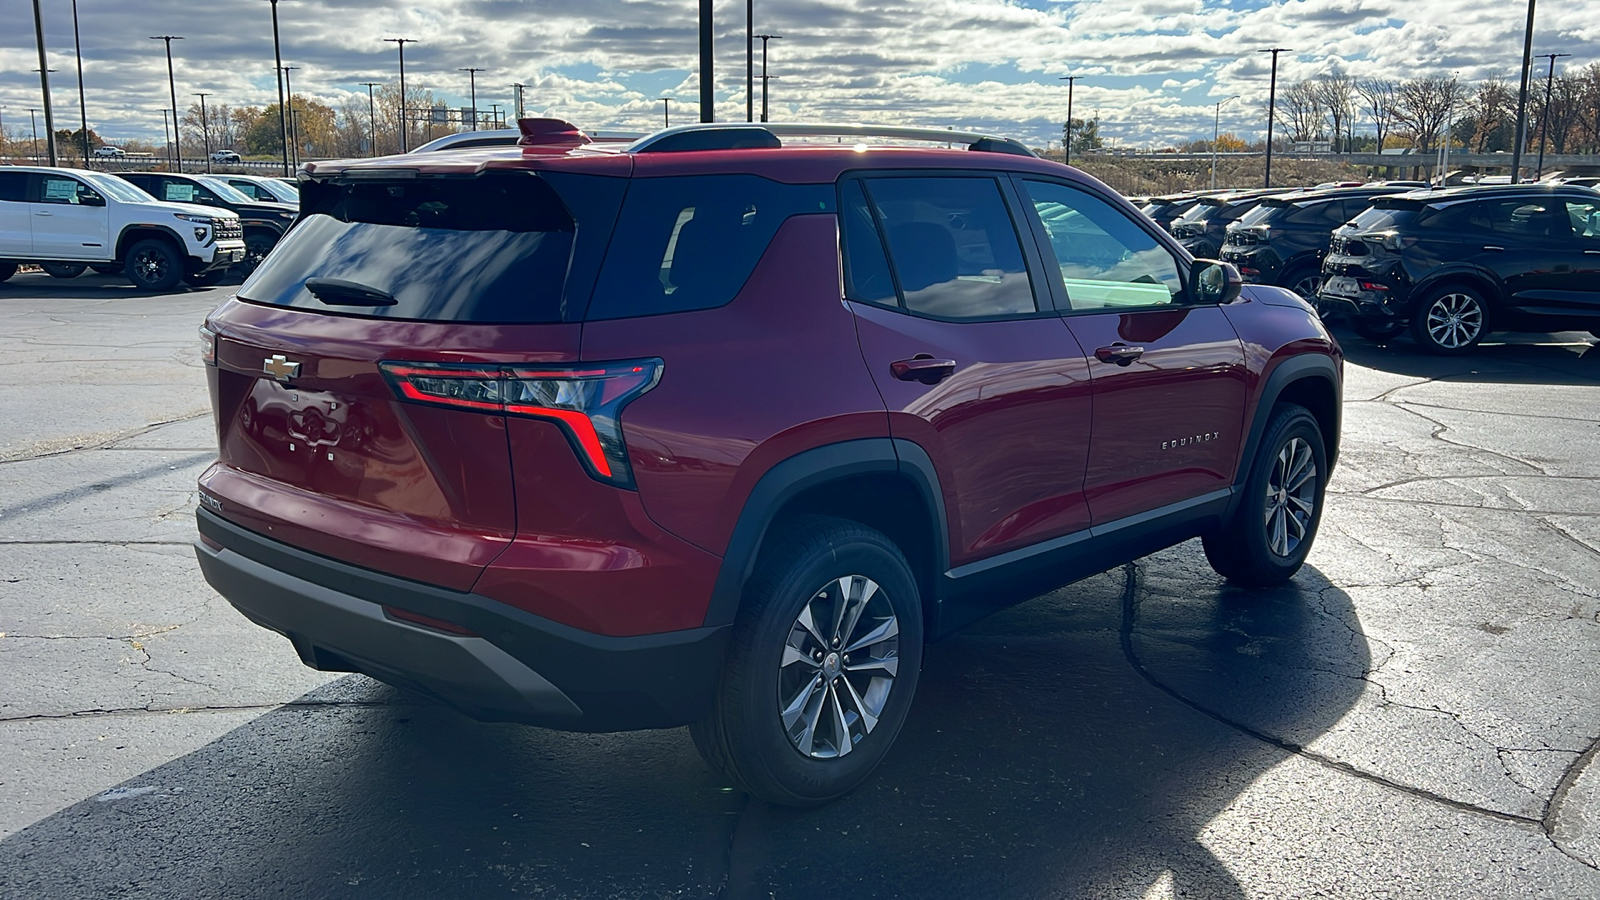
(67, 220)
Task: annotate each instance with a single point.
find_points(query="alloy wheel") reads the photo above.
(839, 665)
(151, 265)
(1455, 320)
(1291, 500)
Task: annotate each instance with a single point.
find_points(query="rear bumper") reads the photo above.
(515, 666)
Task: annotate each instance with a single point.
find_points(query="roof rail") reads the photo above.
(739, 134)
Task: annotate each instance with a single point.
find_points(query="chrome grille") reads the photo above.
(228, 229)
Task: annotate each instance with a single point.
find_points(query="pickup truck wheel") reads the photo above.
(206, 279)
(7, 269)
(821, 668)
(153, 265)
(1267, 539)
(256, 248)
(63, 270)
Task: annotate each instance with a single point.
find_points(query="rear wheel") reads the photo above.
(1451, 319)
(1267, 539)
(63, 270)
(153, 265)
(821, 668)
(1307, 282)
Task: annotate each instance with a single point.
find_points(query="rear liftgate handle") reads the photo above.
(1119, 353)
(923, 368)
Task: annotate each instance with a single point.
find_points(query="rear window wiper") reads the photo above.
(338, 292)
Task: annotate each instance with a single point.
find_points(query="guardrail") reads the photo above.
(136, 163)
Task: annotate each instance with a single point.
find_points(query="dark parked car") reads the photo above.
(1164, 210)
(264, 223)
(1204, 227)
(603, 440)
(1456, 263)
(1282, 241)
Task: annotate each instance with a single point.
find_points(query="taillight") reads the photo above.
(585, 400)
(208, 346)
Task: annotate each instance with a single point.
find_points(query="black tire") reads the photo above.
(1450, 320)
(7, 269)
(1377, 331)
(256, 247)
(206, 279)
(106, 268)
(1247, 548)
(154, 265)
(746, 735)
(63, 270)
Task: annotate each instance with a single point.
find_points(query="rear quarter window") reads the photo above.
(690, 242)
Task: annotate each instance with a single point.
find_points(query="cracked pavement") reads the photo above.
(1416, 715)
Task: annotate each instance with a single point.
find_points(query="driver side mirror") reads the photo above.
(1213, 282)
(91, 199)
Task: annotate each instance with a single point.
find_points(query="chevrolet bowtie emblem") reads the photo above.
(279, 367)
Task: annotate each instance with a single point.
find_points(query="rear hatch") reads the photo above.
(356, 372)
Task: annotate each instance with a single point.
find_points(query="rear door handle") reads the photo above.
(1119, 353)
(1492, 247)
(44, 214)
(923, 368)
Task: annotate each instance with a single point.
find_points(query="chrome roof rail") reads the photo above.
(737, 131)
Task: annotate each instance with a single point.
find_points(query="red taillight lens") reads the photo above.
(1373, 286)
(586, 400)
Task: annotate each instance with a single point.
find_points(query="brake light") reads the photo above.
(208, 346)
(586, 401)
(1373, 286)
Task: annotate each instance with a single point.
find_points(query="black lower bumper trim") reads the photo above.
(523, 668)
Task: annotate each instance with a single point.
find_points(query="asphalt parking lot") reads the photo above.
(1416, 716)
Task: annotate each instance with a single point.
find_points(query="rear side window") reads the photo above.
(493, 248)
(691, 242)
(14, 186)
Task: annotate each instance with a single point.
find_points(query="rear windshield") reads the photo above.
(1380, 218)
(1266, 212)
(1202, 210)
(492, 248)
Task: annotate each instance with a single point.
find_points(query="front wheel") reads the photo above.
(821, 668)
(1450, 320)
(154, 265)
(63, 270)
(1269, 536)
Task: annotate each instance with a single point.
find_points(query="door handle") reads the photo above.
(44, 214)
(1119, 353)
(1492, 247)
(1591, 253)
(923, 368)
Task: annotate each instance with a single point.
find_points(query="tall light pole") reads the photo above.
(750, 60)
(666, 111)
(44, 89)
(1216, 125)
(472, 78)
(166, 133)
(1272, 106)
(1544, 118)
(205, 128)
(277, 73)
(518, 86)
(1522, 98)
(708, 91)
(172, 85)
(35, 121)
(764, 76)
(294, 132)
(83, 114)
(1066, 145)
(372, 117)
(401, 43)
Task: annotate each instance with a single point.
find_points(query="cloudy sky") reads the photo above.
(1152, 68)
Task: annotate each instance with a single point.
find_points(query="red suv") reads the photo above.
(721, 427)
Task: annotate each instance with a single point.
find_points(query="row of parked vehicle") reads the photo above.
(1448, 265)
(157, 228)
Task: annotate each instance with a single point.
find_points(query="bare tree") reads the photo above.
(1378, 98)
(1424, 105)
(1336, 96)
(1566, 96)
(1493, 111)
(1299, 107)
(1589, 78)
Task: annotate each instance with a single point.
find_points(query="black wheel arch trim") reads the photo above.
(132, 234)
(1470, 275)
(1290, 371)
(810, 469)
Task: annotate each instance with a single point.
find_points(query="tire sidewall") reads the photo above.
(1292, 422)
(174, 266)
(771, 755)
(1419, 319)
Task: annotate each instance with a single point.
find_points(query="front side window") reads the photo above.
(60, 189)
(1584, 216)
(1525, 218)
(179, 191)
(1107, 261)
(953, 247)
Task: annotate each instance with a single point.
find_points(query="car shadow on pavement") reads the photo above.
(94, 286)
(1077, 745)
(1568, 357)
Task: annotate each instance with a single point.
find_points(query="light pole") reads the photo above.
(277, 73)
(372, 117)
(472, 77)
(750, 60)
(666, 111)
(1216, 125)
(1522, 99)
(294, 132)
(518, 86)
(1272, 105)
(205, 129)
(172, 85)
(1066, 145)
(166, 133)
(83, 114)
(708, 93)
(1544, 119)
(764, 76)
(35, 121)
(44, 90)
(401, 43)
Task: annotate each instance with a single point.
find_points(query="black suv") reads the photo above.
(1201, 230)
(264, 223)
(1282, 241)
(1166, 210)
(1455, 263)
